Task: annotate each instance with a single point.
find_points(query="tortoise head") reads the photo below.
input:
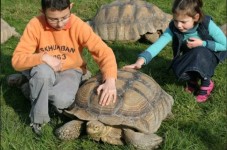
(96, 130)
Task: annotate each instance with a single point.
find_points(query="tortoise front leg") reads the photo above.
(70, 131)
(98, 131)
(152, 37)
(142, 141)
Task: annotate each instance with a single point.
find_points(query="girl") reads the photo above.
(198, 46)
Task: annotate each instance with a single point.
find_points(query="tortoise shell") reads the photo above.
(128, 20)
(141, 103)
(224, 29)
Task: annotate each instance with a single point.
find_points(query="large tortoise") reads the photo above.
(140, 108)
(129, 20)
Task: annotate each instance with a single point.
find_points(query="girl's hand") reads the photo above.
(108, 92)
(53, 62)
(194, 42)
(136, 65)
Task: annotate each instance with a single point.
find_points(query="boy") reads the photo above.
(50, 55)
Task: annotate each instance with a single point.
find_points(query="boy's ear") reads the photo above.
(41, 11)
(71, 5)
(196, 17)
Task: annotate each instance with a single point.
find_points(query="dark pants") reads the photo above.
(199, 60)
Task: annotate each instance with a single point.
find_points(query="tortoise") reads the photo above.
(140, 108)
(7, 31)
(224, 28)
(129, 20)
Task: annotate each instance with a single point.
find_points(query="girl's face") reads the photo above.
(57, 19)
(184, 23)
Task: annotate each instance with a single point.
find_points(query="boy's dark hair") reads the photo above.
(189, 8)
(55, 4)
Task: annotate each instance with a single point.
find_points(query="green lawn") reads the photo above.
(194, 126)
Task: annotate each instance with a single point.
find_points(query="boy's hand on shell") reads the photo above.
(108, 92)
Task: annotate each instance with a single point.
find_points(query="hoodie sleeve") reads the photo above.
(25, 56)
(101, 53)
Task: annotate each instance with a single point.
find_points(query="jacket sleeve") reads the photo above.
(156, 47)
(219, 43)
(101, 53)
(25, 56)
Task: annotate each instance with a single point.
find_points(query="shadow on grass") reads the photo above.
(12, 96)
(15, 99)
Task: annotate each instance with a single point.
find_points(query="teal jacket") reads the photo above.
(217, 44)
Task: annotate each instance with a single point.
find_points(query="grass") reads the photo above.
(193, 127)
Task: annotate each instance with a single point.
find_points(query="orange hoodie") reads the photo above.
(66, 44)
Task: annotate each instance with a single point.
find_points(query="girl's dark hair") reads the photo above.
(55, 4)
(189, 8)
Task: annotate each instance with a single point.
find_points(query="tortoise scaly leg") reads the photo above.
(152, 37)
(142, 141)
(98, 131)
(70, 130)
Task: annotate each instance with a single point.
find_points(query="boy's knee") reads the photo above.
(41, 71)
(63, 100)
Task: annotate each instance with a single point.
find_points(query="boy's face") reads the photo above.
(57, 19)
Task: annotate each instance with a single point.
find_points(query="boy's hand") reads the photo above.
(53, 62)
(194, 42)
(136, 65)
(109, 92)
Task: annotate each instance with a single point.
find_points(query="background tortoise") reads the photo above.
(224, 28)
(140, 108)
(128, 20)
(7, 31)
